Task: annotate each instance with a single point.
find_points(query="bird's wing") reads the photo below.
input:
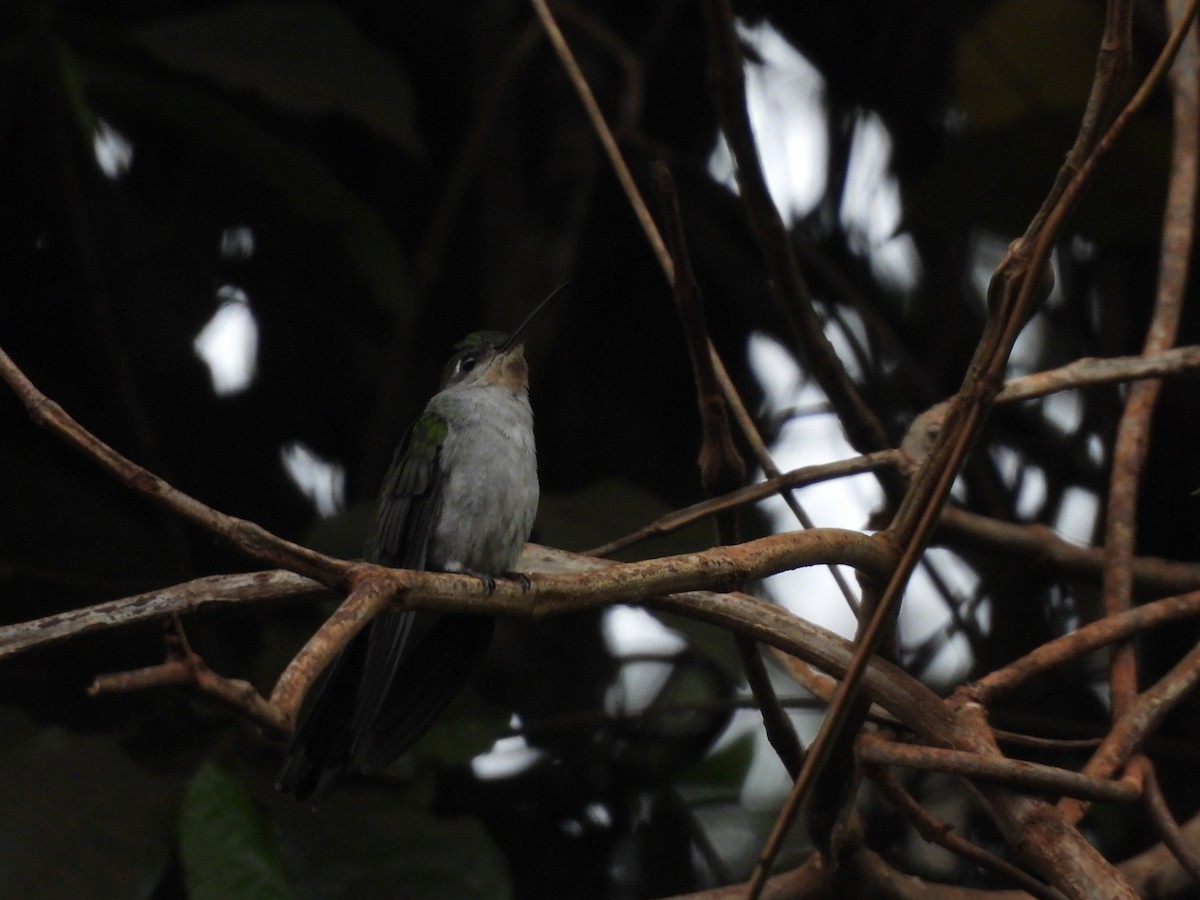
(416, 661)
(348, 701)
(408, 506)
(320, 751)
(428, 674)
(410, 497)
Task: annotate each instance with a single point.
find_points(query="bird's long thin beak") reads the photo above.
(530, 319)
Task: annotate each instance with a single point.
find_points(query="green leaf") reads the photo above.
(724, 771)
(82, 820)
(71, 83)
(466, 729)
(1027, 57)
(307, 58)
(365, 843)
(227, 850)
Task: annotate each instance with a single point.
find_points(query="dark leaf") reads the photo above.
(228, 852)
(303, 57)
(363, 844)
(82, 821)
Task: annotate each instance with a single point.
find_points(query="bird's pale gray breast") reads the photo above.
(488, 465)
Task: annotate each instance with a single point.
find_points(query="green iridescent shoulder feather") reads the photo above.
(409, 496)
(413, 466)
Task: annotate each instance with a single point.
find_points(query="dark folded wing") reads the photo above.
(348, 701)
(408, 505)
(428, 675)
(320, 753)
(409, 499)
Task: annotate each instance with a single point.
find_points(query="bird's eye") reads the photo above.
(467, 363)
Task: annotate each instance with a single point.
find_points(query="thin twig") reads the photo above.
(805, 475)
(767, 464)
(942, 834)
(245, 536)
(644, 218)
(1078, 374)
(1038, 545)
(1133, 431)
(251, 587)
(659, 248)
(1090, 371)
(1020, 283)
(728, 87)
(1168, 829)
(1030, 777)
(604, 133)
(427, 261)
(1090, 637)
(185, 668)
(1141, 716)
(722, 468)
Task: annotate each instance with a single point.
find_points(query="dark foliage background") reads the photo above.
(409, 172)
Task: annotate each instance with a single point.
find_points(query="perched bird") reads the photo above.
(460, 496)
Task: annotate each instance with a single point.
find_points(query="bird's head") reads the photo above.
(492, 358)
(487, 358)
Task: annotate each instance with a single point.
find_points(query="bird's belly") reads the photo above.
(489, 501)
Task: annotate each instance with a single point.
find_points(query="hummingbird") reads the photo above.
(460, 496)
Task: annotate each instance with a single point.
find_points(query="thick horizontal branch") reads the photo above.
(558, 587)
(251, 587)
(716, 569)
(375, 587)
(583, 582)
